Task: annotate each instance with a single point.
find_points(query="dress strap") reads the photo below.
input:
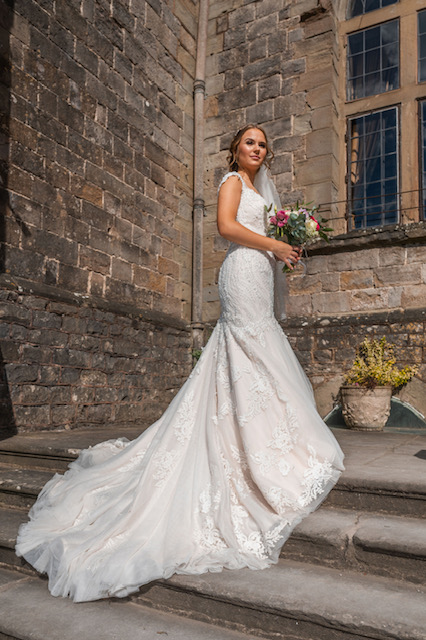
(226, 176)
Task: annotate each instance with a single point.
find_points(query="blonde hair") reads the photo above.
(232, 156)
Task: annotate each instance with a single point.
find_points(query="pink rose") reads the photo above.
(280, 215)
(273, 220)
(281, 223)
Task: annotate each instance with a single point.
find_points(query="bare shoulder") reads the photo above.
(231, 185)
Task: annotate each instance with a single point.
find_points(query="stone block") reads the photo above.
(389, 256)
(357, 279)
(413, 296)
(330, 303)
(329, 281)
(235, 36)
(258, 49)
(62, 414)
(241, 15)
(17, 373)
(236, 99)
(269, 87)
(416, 254)
(394, 275)
(261, 112)
(36, 417)
(263, 26)
(369, 299)
(314, 170)
(261, 69)
(93, 379)
(319, 143)
(299, 305)
(230, 59)
(293, 67)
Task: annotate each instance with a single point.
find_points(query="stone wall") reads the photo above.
(281, 64)
(271, 63)
(72, 362)
(100, 149)
(96, 155)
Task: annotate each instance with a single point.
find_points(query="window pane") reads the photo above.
(389, 56)
(375, 53)
(423, 154)
(422, 45)
(372, 61)
(389, 32)
(356, 43)
(422, 21)
(372, 38)
(359, 7)
(390, 79)
(373, 179)
(356, 65)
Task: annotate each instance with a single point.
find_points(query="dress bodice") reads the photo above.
(251, 210)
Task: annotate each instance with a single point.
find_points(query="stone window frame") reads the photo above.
(406, 98)
(350, 2)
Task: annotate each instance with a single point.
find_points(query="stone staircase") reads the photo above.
(356, 568)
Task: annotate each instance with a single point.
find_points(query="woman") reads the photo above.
(236, 461)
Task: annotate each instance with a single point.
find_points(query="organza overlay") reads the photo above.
(239, 457)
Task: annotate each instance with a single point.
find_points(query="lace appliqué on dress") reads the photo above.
(316, 477)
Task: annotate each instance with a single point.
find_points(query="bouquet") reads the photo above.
(298, 226)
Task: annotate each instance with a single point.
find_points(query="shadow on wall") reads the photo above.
(7, 420)
(7, 423)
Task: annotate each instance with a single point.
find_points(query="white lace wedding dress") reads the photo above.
(219, 481)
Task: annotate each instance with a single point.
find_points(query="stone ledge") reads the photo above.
(374, 317)
(23, 286)
(392, 235)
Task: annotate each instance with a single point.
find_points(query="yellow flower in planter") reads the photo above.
(369, 384)
(375, 366)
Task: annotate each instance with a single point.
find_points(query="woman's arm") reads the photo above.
(229, 228)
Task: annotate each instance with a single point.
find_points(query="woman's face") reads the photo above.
(251, 150)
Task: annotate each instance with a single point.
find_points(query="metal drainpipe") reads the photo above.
(198, 205)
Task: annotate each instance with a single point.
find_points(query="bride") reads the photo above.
(236, 461)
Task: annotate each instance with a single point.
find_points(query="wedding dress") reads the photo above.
(219, 481)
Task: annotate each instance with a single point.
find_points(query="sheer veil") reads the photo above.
(266, 187)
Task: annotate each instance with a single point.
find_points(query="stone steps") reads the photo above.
(384, 545)
(20, 487)
(291, 601)
(28, 612)
(297, 600)
(366, 548)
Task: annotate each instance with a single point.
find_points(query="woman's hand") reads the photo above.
(286, 253)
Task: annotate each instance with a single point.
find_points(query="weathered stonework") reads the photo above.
(97, 155)
(326, 348)
(72, 362)
(100, 149)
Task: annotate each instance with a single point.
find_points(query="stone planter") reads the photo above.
(366, 409)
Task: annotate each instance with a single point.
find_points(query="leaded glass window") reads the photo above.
(373, 60)
(373, 169)
(423, 153)
(422, 45)
(359, 7)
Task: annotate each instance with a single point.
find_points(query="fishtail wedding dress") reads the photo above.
(219, 481)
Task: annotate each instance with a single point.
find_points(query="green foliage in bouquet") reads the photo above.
(375, 365)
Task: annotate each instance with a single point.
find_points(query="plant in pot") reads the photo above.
(368, 386)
